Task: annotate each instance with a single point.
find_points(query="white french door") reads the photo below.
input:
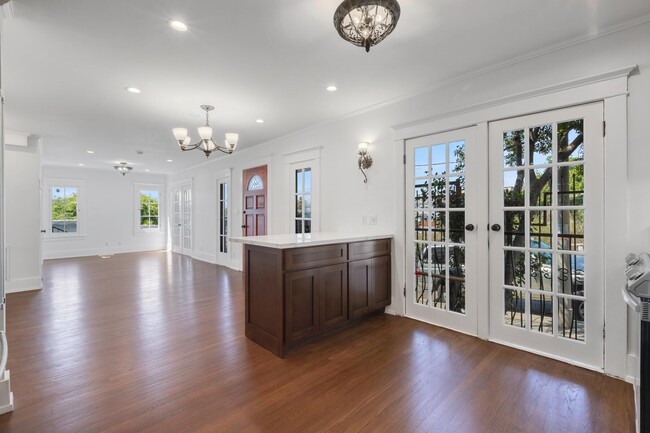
(182, 219)
(441, 283)
(545, 258)
(546, 240)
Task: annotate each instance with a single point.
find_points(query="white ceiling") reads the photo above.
(65, 64)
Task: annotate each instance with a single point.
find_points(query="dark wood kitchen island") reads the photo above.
(302, 287)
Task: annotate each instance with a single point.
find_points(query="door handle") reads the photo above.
(43, 231)
(243, 227)
(469, 227)
(495, 227)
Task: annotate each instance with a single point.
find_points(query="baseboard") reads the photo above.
(69, 254)
(632, 369)
(390, 310)
(23, 285)
(204, 257)
(6, 396)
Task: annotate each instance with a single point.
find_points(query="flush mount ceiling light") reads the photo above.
(123, 168)
(331, 88)
(133, 90)
(179, 26)
(260, 120)
(365, 23)
(206, 143)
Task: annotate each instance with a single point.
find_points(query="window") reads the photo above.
(149, 209)
(223, 217)
(64, 209)
(303, 200)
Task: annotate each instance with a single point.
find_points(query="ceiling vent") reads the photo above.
(7, 9)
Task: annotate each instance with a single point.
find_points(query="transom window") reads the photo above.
(64, 209)
(256, 183)
(149, 209)
(303, 200)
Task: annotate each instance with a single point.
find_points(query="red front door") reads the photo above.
(254, 213)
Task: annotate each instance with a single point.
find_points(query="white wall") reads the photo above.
(22, 216)
(109, 209)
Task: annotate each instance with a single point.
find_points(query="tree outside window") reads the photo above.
(149, 208)
(64, 209)
(303, 200)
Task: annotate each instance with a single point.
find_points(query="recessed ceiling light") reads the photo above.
(146, 169)
(170, 160)
(178, 25)
(80, 165)
(133, 90)
(90, 151)
(260, 120)
(331, 88)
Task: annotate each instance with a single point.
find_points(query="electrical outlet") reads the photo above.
(372, 220)
(364, 220)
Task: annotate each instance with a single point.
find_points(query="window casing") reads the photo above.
(303, 200)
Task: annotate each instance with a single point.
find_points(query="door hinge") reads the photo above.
(604, 127)
(604, 332)
(404, 159)
(405, 290)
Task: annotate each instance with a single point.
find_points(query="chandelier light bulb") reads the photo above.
(205, 132)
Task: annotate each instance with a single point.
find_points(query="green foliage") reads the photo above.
(148, 211)
(65, 208)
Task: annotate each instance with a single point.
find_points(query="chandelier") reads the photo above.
(365, 23)
(206, 143)
(123, 168)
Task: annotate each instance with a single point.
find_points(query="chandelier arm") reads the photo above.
(191, 146)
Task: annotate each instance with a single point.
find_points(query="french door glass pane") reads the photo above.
(541, 313)
(540, 146)
(514, 303)
(514, 189)
(513, 148)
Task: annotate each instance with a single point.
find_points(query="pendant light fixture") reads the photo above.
(365, 23)
(206, 143)
(123, 168)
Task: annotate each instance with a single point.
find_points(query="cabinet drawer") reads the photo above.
(311, 257)
(368, 249)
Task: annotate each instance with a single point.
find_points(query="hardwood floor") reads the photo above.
(154, 342)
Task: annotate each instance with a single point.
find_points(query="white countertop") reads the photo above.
(306, 240)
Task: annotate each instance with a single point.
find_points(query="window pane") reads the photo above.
(421, 274)
(421, 161)
(307, 226)
(298, 226)
(514, 268)
(457, 227)
(571, 230)
(438, 192)
(438, 226)
(571, 185)
(514, 231)
(299, 206)
(457, 157)
(571, 274)
(514, 189)
(299, 181)
(570, 141)
(421, 225)
(513, 148)
(457, 279)
(540, 145)
(308, 180)
(457, 192)
(153, 210)
(541, 313)
(541, 193)
(540, 229)
(307, 205)
(514, 308)
(438, 159)
(154, 195)
(541, 271)
(421, 194)
(571, 318)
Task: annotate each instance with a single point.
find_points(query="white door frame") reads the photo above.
(610, 87)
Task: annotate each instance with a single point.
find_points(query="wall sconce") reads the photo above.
(365, 160)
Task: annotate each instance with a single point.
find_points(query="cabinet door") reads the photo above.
(359, 287)
(333, 294)
(380, 283)
(301, 305)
